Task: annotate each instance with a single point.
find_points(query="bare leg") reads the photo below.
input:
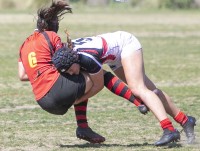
(170, 107)
(120, 88)
(133, 66)
(120, 73)
(83, 131)
(187, 122)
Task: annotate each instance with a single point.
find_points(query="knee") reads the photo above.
(157, 91)
(138, 91)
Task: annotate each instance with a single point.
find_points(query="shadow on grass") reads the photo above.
(89, 145)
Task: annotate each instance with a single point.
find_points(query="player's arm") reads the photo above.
(91, 65)
(21, 72)
(98, 84)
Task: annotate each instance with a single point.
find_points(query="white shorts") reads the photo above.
(120, 43)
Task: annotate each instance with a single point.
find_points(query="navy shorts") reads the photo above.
(63, 94)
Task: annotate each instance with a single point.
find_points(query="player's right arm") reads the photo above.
(90, 64)
(21, 72)
(98, 84)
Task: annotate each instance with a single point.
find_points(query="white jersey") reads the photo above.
(106, 48)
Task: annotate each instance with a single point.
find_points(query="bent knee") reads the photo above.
(157, 91)
(138, 91)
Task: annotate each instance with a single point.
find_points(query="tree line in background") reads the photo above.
(179, 3)
(171, 4)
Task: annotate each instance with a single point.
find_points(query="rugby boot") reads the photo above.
(168, 137)
(89, 135)
(188, 128)
(143, 109)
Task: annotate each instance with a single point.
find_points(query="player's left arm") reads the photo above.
(21, 72)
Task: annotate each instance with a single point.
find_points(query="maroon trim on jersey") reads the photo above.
(104, 46)
(90, 51)
(109, 57)
(105, 49)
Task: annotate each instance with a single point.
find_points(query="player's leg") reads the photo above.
(133, 64)
(80, 112)
(118, 87)
(83, 131)
(187, 122)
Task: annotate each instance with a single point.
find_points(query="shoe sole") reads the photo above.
(173, 140)
(193, 137)
(90, 140)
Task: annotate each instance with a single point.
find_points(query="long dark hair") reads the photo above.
(48, 15)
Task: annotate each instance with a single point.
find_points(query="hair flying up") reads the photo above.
(47, 15)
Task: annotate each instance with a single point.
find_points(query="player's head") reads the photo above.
(49, 17)
(66, 60)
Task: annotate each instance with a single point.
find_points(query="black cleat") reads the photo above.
(89, 135)
(188, 128)
(143, 109)
(168, 137)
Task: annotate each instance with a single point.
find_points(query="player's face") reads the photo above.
(74, 69)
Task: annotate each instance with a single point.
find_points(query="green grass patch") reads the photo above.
(171, 52)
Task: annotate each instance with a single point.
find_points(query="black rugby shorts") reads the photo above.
(63, 94)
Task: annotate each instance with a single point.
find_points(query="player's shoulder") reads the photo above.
(87, 42)
(52, 33)
(84, 39)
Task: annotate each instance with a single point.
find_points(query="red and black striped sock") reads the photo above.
(181, 118)
(166, 123)
(81, 112)
(118, 87)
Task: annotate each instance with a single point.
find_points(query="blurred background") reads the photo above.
(22, 5)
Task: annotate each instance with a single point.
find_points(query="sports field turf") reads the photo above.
(171, 43)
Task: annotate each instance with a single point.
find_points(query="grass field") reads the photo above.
(171, 42)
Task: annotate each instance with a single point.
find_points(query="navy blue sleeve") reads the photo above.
(89, 63)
